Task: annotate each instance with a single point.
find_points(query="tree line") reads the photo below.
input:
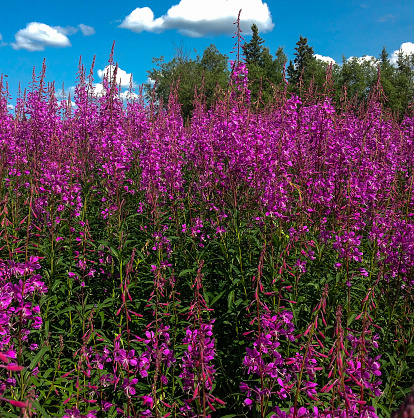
(305, 75)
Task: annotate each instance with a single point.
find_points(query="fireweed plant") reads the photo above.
(251, 262)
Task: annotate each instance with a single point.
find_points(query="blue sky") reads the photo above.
(61, 32)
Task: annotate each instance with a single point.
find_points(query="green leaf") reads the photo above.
(383, 408)
(7, 415)
(351, 319)
(230, 299)
(184, 272)
(216, 299)
(35, 360)
(46, 374)
(39, 408)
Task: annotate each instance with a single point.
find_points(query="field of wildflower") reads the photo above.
(251, 262)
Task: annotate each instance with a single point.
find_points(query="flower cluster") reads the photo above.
(239, 76)
(265, 361)
(19, 313)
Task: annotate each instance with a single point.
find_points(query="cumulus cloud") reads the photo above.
(63, 95)
(407, 48)
(128, 95)
(122, 77)
(36, 36)
(197, 18)
(99, 90)
(67, 30)
(70, 30)
(1, 41)
(10, 106)
(86, 30)
(364, 59)
(328, 60)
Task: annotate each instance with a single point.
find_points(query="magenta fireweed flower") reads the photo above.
(106, 406)
(18, 310)
(265, 361)
(200, 348)
(144, 363)
(128, 386)
(347, 177)
(253, 361)
(147, 401)
(72, 413)
(125, 358)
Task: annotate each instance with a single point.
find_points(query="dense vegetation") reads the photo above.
(354, 79)
(256, 261)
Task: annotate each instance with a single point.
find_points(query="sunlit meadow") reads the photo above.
(254, 261)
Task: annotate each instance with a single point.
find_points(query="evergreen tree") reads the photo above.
(316, 72)
(264, 72)
(404, 82)
(303, 57)
(189, 73)
(291, 72)
(387, 74)
(253, 50)
(358, 75)
(279, 62)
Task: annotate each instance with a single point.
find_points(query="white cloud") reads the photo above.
(70, 30)
(197, 18)
(121, 76)
(36, 36)
(142, 19)
(71, 90)
(328, 60)
(86, 30)
(407, 48)
(127, 95)
(98, 90)
(67, 31)
(150, 81)
(364, 59)
(10, 106)
(65, 102)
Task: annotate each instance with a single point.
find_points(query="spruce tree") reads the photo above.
(387, 74)
(253, 50)
(303, 57)
(404, 81)
(264, 71)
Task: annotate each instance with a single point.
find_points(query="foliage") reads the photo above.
(256, 262)
(265, 73)
(353, 81)
(185, 75)
(304, 56)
